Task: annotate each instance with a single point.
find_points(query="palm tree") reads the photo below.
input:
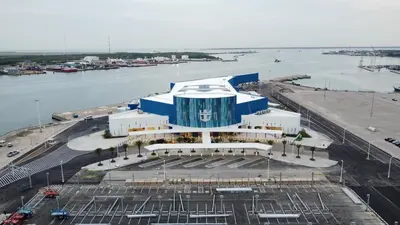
(98, 152)
(284, 142)
(166, 151)
(270, 142)
(125, 146)
(193, 151)
(139, 144)
(312, 153)
(230, 141)
(298, 146)
(180, 139)
(112, 150)
(180, 151)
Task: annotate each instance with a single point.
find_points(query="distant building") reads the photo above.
(91, 59)
(185, 57)
(173, 57)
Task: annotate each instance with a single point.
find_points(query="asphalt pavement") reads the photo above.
(362, 175)
(10, 195)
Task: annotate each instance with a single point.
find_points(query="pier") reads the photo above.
(291, 78)
(366, 68)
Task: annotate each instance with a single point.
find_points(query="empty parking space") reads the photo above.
(191, 204)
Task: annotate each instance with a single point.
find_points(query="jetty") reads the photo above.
(96, 111)
(291, 78)
(366, 68)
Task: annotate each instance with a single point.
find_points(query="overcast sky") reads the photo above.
(180, 24)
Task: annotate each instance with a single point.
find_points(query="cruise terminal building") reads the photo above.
(211, 105)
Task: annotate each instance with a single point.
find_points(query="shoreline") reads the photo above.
(103, 110)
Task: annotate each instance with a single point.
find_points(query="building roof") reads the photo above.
(206, 88)
(271, 112)
(131, 114)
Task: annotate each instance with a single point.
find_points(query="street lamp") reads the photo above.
(38, 115)
(344, 135)
(369, 150)
(22, 201)
(390, 165)
(268, 168)
(341, 172)
(47, 178)
(164, 172)
(62, 171)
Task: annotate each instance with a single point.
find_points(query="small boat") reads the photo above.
(396, 89)
(69, 70)
(277, 61)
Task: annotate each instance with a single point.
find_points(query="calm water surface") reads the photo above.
(64, 92)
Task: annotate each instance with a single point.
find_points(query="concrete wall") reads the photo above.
(121, 126)
(250, 107)
(244, 78)
(290, 124)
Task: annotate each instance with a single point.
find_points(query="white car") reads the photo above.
(9, 144)
(2, 143)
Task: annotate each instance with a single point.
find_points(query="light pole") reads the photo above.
(268, 168)
(38, 115)
(30, 178)
(344, 135)
(58, 202)
(341, 172)
(62, 171)
(221, 197)
(369, 149)
(368, 196)
(188, 200)
(22, 201)
(390, 165)
(165, 176)
(47, 178)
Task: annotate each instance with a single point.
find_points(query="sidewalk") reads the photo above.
(28, 140)
(321, 159)
(317, 140)
(92, 141)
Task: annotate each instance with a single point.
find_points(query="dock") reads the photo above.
(366, 68)
(96, 111)
(291, 78)
(395, 71)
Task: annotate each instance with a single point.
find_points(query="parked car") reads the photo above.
(2, 143)
(13, 153)
(9, 144)
(51, 141)
(388, 139)
(394, 140)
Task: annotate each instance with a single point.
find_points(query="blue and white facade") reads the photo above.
(208, 103)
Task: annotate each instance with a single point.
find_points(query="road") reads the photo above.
(10, 194)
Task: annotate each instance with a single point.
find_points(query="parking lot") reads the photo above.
(208, 162)
(117, 204)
